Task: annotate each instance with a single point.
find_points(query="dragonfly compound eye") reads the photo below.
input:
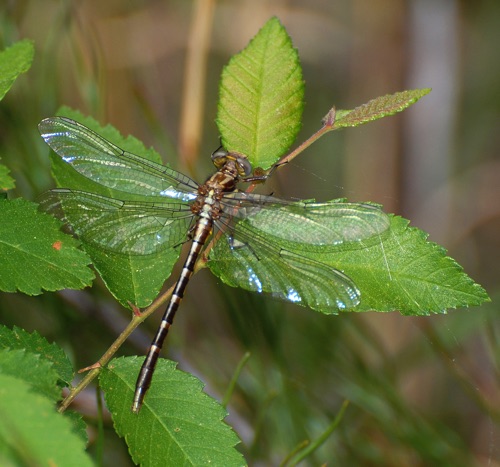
(219, 157)
(244, 166)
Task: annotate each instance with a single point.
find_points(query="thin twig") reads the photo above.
(328, 125)
(113, 348)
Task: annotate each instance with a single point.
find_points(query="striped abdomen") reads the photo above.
(201, 233)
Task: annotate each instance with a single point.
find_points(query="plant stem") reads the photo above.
(136, 320)
(322, 438)
(328, 125)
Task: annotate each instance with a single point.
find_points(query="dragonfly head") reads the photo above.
(220, 157)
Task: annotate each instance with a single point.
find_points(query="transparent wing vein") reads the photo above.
(107, 164)
(252, 262)
(308, 223)
(128, 227)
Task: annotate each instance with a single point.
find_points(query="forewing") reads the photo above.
(107, 164)
(252, 262)
(128, 227)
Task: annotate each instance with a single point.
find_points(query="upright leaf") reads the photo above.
(178, 423)
(261, 97)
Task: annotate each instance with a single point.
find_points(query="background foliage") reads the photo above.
(423, 391)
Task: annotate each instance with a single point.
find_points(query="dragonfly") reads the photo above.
(159, 208)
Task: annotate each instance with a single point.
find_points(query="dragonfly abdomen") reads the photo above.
(201, 233)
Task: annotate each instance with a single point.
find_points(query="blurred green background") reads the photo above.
(423, 391)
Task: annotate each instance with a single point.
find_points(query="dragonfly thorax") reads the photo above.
(226, 178)
(207, 204)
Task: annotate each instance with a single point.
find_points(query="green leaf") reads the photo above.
(379, 107)
(35, 254)
(132, 279)
(261, 97)
(32, 432)
(395, 269)
(18, 338)
(135, 280)
(6, 182)
(79, 425)
(178, 423)
(412, 275)
(13, 61)
(35, 371)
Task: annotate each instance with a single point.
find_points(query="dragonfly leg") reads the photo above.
(263, 177)
(237, 244)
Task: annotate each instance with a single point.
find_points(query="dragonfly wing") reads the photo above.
(309, 223)
(128, 227)
(107, 164)
(250, 261)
